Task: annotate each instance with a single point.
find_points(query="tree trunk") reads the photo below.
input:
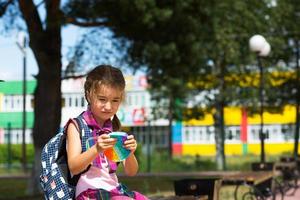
(170, 123)
(219, 118)
(47, 115)
(45, 42)
(47, 97)
(33, 182)
(220, 136)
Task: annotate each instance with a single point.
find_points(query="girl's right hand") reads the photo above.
(104, 142)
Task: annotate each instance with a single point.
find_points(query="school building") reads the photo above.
(188, 137)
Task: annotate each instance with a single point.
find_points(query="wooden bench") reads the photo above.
(287, 168)
(259, 183)
(207, 184)
(198, 187)
(273, 188)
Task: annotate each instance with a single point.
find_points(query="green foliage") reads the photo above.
(176, 39)
(165, 36)
(181, 42)
(15, 153)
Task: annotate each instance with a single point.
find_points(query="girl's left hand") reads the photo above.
(130, 143)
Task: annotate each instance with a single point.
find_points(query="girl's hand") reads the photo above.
(130, 143)
(104, 142)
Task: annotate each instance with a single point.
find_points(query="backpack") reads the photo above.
(55, 177)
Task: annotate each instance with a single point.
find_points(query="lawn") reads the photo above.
(14, 188)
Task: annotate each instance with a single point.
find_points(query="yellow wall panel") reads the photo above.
(232, 116)
(200, 149)
(233, 149)
(236, 149)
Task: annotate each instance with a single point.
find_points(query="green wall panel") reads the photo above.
(16, 87)
(15, 118)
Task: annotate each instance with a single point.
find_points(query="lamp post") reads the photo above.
(262, 48)
(296, 137)
(21, 43)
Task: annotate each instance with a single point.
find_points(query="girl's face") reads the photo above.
(104, 102)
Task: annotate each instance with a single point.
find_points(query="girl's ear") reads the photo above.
(88, 97)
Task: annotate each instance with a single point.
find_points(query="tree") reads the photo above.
(176, 40)
(164, 36)
(43, 22)
(232, 23)
(44, 31)
(45, 42)
(172, 40)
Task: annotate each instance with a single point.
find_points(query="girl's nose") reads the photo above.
(107, 105)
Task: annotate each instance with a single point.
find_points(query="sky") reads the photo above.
(11, 56)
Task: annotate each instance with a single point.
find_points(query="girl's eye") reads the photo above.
(102, 99)
(116, 100)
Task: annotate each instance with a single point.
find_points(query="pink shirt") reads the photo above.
(96, 178)
(101, 174)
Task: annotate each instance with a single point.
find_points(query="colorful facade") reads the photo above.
(193, 137)
(241, 133)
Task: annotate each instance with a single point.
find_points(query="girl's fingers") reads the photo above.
(130, 144)
(106, 139)
(130, 137)
(105, 142)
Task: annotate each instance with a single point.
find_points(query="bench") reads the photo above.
(198, 187)
(259, 183)
(272, 187)
(287, 168)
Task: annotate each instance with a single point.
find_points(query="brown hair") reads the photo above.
(109, 76)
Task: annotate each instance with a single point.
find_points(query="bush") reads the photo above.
(13, 154)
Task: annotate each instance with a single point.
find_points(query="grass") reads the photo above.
(13, 188)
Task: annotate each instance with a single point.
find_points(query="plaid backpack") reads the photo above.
(55, 177)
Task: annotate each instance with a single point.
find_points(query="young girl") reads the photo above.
(104, 91)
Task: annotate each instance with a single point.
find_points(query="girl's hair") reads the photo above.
(105, 75)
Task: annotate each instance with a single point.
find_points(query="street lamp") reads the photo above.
(296, 45)
(262, 48)
(21, 43)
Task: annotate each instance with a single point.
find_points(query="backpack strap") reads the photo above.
(84, 131)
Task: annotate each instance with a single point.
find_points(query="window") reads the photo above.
(143, 103)
(70, 102)
(129, 99)
(63, 102)
(76, 102)
(32, 102)
(82, 102)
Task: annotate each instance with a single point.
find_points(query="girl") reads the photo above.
(104, 91)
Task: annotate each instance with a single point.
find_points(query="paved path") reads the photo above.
(296, 196)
